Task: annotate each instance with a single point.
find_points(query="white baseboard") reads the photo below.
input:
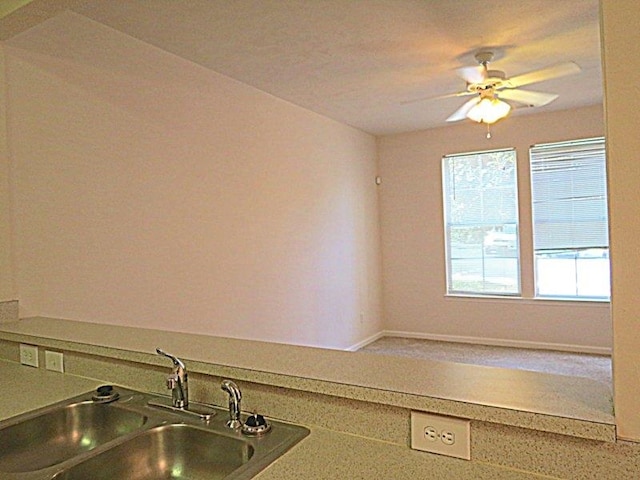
(496, 342)
(366, 341)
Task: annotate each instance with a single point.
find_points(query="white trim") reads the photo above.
(367, 341)
(496, 342)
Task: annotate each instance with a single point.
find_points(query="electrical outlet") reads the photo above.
(431, 434)
(448, 437)
(439, 434)
(54, 361)
(29, 355)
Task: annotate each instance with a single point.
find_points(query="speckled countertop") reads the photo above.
(569, 405)
(324, 454)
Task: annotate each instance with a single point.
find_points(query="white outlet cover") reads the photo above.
(29, 355)
(453, 435)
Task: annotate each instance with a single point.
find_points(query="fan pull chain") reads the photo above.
(488, 132)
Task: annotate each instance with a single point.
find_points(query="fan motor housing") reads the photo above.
(494, 81)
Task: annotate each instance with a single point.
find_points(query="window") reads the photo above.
(570, 223)
(481, 223)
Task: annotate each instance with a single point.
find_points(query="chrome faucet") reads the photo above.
(177, 382)
(235, 396)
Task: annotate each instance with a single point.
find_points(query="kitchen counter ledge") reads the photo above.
(571, 406)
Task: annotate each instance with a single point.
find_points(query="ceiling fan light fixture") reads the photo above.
(489, 110)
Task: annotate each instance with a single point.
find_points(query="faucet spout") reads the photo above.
(177, 382)
(176, 361)
(235, 396)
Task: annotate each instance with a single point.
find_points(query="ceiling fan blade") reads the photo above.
(437, 97)
(528, 97)
(461, 113)
(555, 71)
(473, 74)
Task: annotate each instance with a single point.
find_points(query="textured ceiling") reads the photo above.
(360, 61)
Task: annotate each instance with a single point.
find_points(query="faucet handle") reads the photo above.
(172, 381)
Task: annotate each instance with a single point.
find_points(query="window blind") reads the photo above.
(480, 188)
(569, 195)
(481, 223)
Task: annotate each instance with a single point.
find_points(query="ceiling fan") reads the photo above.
(490, 87)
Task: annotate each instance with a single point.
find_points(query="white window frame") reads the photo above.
(571, 260)
(484, 265)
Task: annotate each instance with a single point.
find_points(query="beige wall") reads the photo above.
(152, 192)
(7, 285)
(413, 239)
(620, 20)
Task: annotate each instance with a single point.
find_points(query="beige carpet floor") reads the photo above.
(596, 367)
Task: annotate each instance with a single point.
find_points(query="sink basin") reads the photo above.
(135, 435)
(62, 433)
(175, 451)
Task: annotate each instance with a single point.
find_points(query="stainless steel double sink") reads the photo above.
(86, 437)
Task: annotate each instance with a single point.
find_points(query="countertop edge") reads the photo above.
(601, 427)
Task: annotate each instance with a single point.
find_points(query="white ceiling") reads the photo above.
(358, 61)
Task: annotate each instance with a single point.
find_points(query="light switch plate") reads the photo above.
(54, 361)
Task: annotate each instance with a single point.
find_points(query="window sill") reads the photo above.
(525, 300)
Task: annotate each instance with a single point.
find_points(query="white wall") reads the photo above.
(413, 240)
(152, 192)
(620, 20)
